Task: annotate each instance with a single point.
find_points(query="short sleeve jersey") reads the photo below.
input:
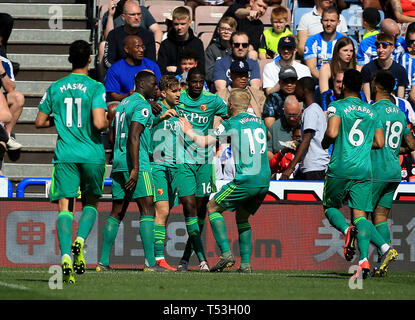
(385, 162)
(200, 113)
(164, 139)
(132, 108)
(350, 158)
(248, 136)
(71, 100)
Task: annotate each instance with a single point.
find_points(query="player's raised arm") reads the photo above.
(201, 141)
(332, 131)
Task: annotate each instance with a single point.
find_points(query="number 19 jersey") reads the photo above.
(350, 158)
(71, 101)
(385, 162)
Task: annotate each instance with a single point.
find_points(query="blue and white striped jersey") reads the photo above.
(367, 49)
(409, 64)
(317, 47)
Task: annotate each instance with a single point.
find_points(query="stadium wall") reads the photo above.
(287, 235)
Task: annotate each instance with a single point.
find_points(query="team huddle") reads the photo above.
(162, 138)
(161, 152)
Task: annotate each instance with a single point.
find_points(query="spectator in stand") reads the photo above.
(248, 17)
(15, 100)
(220, 46)
(239, 73)
(188, 60)
(282, 159)
(389, 26)
(221, 72)
(366, 51)
(5, 117)
(311, 156)
(274, 103)
(114, 48)
(113, 18)
(404, 10)
(281, 129)
(270, 37)
(319, 47)
(196, 3)
(287, 48)
(344, 57)
(310, 23)
(385, 46)
(179, 37)
(119, 82)
(6, 27)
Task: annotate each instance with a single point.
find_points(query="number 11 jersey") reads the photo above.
(71, 101)
(350, 158)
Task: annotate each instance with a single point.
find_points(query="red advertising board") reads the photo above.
(289, 236)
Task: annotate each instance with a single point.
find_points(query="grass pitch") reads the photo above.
(34, 284)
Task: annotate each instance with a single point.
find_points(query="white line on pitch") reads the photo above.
(13, 286)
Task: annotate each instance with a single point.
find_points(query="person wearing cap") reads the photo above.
(240, 48)
(274, 104)
(239, 74)
(319, 47)
(367, 48)
(287, 48)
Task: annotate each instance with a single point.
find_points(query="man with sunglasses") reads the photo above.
(385, 46)
(240, 48)
(287, 48)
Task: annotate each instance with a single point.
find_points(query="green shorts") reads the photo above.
(165, 183)
(197, 179)
(382, 194)
(144, 187)
(232, 197)
(68, 179)
(357, 192)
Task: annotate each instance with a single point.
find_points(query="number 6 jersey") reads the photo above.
(350, 158)
(71, 101)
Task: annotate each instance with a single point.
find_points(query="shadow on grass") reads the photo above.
(329, 275)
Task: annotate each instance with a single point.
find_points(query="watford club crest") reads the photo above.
(203, 107)
(160, 192)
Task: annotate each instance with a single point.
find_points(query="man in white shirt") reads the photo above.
(287, 48)
(310, 23)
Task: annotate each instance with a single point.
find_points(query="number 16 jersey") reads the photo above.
(71, 101)
(350, 158)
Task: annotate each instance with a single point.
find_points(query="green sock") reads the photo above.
(219, 232)
(189, 249)
(363, 236)
(159, 236)
(147, 237)
(384, 231)
(108, 239)
(367, 233)
(194, 237)
(245, 243)
(337, 219)
(64, 230)
(87, 221)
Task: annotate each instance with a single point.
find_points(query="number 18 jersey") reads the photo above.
(71, 101)
(350, 158)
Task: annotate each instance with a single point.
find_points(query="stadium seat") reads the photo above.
(176, 3)
(297, 14)
(205, 37)
(207, 18)
(161, 12)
